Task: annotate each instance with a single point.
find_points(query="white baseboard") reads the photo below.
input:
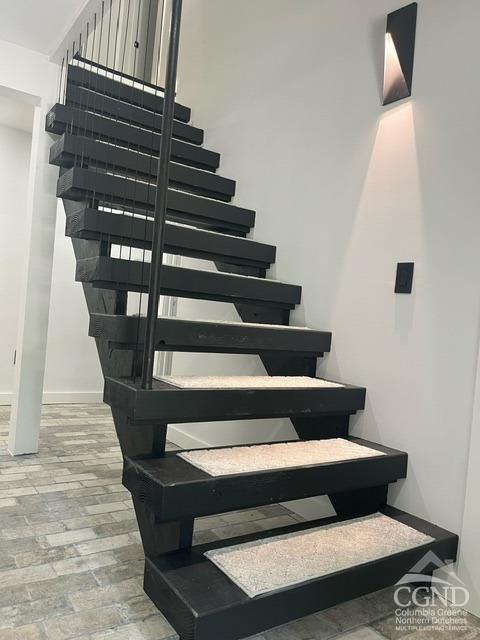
(61, 397)
(308, 508)
(311, 508)
(185, 440)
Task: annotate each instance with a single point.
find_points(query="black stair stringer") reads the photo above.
(360, 502)
(160, 537)
(320, 427)
(150, 440)
(330, 426)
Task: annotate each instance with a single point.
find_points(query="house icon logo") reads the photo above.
(419, 588)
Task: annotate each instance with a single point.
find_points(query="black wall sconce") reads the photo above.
(399, 52)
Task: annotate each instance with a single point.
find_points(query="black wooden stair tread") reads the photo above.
(76, 121)
(132, 275)
(167, 403)
(120, 76)
(81, 184)
(92, 224)
(72, 149)
(175, 334)
(83, 98)
(202, 603)
(105, 84)
(95, 66)
(172, 488)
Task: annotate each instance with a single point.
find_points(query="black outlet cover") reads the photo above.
(404, 280)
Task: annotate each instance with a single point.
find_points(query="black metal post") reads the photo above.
(161, 195)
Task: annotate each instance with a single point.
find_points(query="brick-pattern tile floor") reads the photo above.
(71, 562)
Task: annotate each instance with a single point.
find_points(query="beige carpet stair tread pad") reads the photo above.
(247, 382)
(275, 563)
(281, 455)
(260, 325)
(214, 323)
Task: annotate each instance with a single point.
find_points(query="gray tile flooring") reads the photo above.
(71, 562)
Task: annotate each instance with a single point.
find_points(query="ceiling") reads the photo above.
(37, 24)
(16, 114)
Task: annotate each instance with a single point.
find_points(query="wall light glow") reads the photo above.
(394, 84)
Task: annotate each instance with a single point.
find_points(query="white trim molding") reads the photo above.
(60, 397)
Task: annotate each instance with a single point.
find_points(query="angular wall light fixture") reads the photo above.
(399, 51)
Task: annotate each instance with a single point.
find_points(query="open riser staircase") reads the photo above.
(108, 133)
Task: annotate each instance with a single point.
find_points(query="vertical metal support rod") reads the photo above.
(161, 195)
(149, 23)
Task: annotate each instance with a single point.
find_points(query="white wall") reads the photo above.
(220, 433)
(72, 372)
(14, 161)
(469, 563)
(290, 93)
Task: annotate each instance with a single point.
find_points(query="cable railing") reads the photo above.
(111, 69)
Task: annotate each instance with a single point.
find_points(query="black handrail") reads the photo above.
(161, 195)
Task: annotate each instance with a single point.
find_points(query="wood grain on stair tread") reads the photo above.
(171, 487)
(132, 275)
(188, 240)
(86, 99)
(133, 93)
(180, 334)
(71, 149)
(62, 118)
(166, 403)
(130, 195)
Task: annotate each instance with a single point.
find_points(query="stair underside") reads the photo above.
(61, 119)
(173, 488)
(106, 84)
(85, 99)
(167, 404)
(175, 334)
(131, 195)
(135, 231)
(202, 603)
(131, 275)
(75, 149)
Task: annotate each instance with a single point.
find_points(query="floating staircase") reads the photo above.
(109, 132)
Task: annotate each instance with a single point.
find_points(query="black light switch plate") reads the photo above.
(404, 280)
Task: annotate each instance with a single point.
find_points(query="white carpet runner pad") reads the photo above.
(266, 565)
(247, 382)
(282, 455)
